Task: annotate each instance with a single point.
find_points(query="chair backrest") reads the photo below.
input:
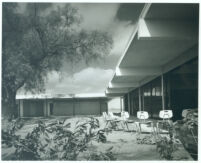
(165, 114)
(142, 115)
(125, 115)
(104, 115)
(111, 115)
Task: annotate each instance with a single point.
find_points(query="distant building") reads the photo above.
(61, 105)
(115, 105)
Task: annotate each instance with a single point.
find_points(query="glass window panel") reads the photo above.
(153, 91)
(158, 91)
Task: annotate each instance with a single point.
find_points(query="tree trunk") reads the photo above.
(9, 106)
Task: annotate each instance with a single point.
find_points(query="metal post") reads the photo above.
(162, 89)
(143, 99)
(100, 104)
(140, 107)
(123, 104)
(129, 107)
(73, 106)
(121, 108)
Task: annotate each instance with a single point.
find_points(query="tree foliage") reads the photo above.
(37, 41)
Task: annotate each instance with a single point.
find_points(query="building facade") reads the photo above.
(61, 106)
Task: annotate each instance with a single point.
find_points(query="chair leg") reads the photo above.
(153, 130)
(127, 125)
(122, 125)
(137, 126)
(116, 124)
(106, 124)
(157, 128)
(140, 128)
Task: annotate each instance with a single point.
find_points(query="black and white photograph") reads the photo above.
(99, 81)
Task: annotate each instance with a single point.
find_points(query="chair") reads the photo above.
(111, 119)
(166, 115)
(106, 118)
(112, 116)
(143, 116)
(125, 119)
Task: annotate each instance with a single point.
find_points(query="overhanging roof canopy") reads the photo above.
(166, 37)
(61, 96)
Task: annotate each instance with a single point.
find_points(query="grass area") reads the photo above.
(124, 144)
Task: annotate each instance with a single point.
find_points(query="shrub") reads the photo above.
(107, 155)
(165, 145)
(56, 141)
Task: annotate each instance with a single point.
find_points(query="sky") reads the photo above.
(119, 20)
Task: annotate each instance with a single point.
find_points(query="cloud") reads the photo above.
(104, 17)
(96, 77)
(97, 16)
(121, 36)
(89, 80)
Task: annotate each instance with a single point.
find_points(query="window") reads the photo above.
(158, 91)
(153, 91)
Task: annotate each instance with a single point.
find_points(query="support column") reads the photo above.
(140, 104)
(100, 106)
(121, 108)
(143, 99)
(129, 106)
(123, 104)
(73, 106)
(46, 108)
(21, 108)
(162, 91)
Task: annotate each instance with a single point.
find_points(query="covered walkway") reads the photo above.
(159, 68)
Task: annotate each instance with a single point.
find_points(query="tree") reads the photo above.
(37, 41)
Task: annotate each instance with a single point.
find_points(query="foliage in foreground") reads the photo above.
(56, 141)
(108, 155)
(166, 145)
(187, 131)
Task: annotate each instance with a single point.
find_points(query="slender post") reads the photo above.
(143, 99)
(162, 89)
(73, 106)
(100, 104)
(140, 107)
(121, 104)
(129, 106)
